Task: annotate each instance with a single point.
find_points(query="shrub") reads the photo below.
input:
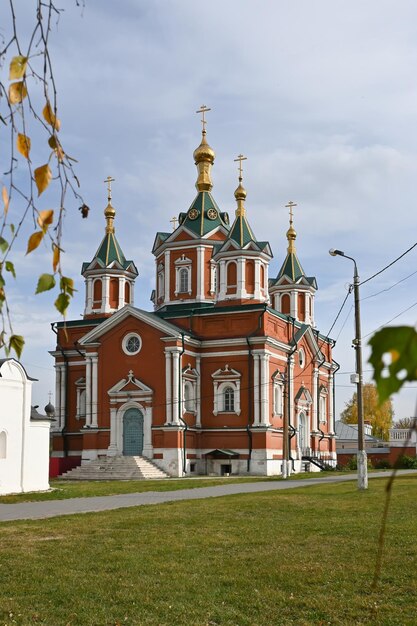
(382, 464)
(406, 462)
(352, 464)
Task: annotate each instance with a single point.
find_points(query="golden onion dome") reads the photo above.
(204, 152)
(240, 193)
(109, 211)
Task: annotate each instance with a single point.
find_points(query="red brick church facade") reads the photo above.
(225, 370)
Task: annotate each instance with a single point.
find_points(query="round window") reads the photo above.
(301, 357)
(131, 344)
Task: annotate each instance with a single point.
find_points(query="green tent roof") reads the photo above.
(204, 215)
(109, 251)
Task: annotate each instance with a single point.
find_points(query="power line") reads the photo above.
(389, 321)
(389, 265)
(344, 323)
(389, 288)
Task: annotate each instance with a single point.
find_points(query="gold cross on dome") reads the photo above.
(290, 206)
(203, 109)
(109, 180)
(174, 222)
(240, 158)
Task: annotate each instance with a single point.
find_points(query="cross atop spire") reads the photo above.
(109, 180)
(174, 221)
(290, 206)
(203, 110)
(241, 158)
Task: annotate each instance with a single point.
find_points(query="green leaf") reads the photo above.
(62, 303)
(67, 285)
(16, 343)
(12, 228)
(10, 268)
(45, 283)
(394, 359)
(3, 244)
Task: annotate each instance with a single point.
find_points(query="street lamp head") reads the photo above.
(334, 252)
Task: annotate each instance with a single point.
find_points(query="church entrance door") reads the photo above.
(133, 432)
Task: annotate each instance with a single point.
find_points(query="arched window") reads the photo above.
(285, 304)
(301, 307)
(3, 445)
(262, 277)
(97, 293)
(82, 404)
(188, 396)
(114, 293)
(127, 293)
(278, 397)
(183, 280)
(229, 399)
(250, 276)
(231, 274)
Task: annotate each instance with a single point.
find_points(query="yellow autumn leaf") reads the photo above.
(55, 257)
(43, 177)
(5, 197)
(56, 147)
(45, 219)
(50, 116)
(23, 145)
(34, 241)
(17, 92)
(17, 67)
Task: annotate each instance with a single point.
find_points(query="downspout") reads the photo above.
(293, 431)
(319, 364)
(64, 356)
(250, 389)
(336, 369)
(181, 419)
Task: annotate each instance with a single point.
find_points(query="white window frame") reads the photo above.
(81, 399)
(125, 341)
(183, 263)
(222, 380)
(323, 405)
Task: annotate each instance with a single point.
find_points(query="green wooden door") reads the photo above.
(133, 432)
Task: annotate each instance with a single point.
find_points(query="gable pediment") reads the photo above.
(130, 385)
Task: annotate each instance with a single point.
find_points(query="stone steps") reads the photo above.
(116, 468)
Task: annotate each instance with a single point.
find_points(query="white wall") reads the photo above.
(24, 444)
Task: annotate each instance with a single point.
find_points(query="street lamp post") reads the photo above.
(361, 456)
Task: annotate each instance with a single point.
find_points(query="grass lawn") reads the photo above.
(300, 557)
(63, 489)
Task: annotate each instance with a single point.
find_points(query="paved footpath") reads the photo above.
(71, 506)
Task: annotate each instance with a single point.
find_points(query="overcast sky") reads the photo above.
(320, 96)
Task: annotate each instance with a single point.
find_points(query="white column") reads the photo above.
(198, 392)
(330, 401)
(94, 389)
(112, 449)
(241, 282)
(291, 391)
(175, 383)
(264, 390)
(256, 389)
(122, 281)
(222, 287)
(294, 304)
(316, 406)
(168, 389)
(257, 292)
(132, 292)
(167, 272)
(63, 397)
(147, 433)
(57, 424)
(105, 296)
(88, 392)
(88, 295)
(200, 295)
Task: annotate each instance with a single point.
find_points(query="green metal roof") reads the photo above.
(241, 232)
(202, 224)
(109, 251)
(291, 268)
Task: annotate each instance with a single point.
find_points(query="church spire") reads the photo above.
(291, 232)
(109, 211)
(204, 157)
(240, 193)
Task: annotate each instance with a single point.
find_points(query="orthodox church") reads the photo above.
(227, 375)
